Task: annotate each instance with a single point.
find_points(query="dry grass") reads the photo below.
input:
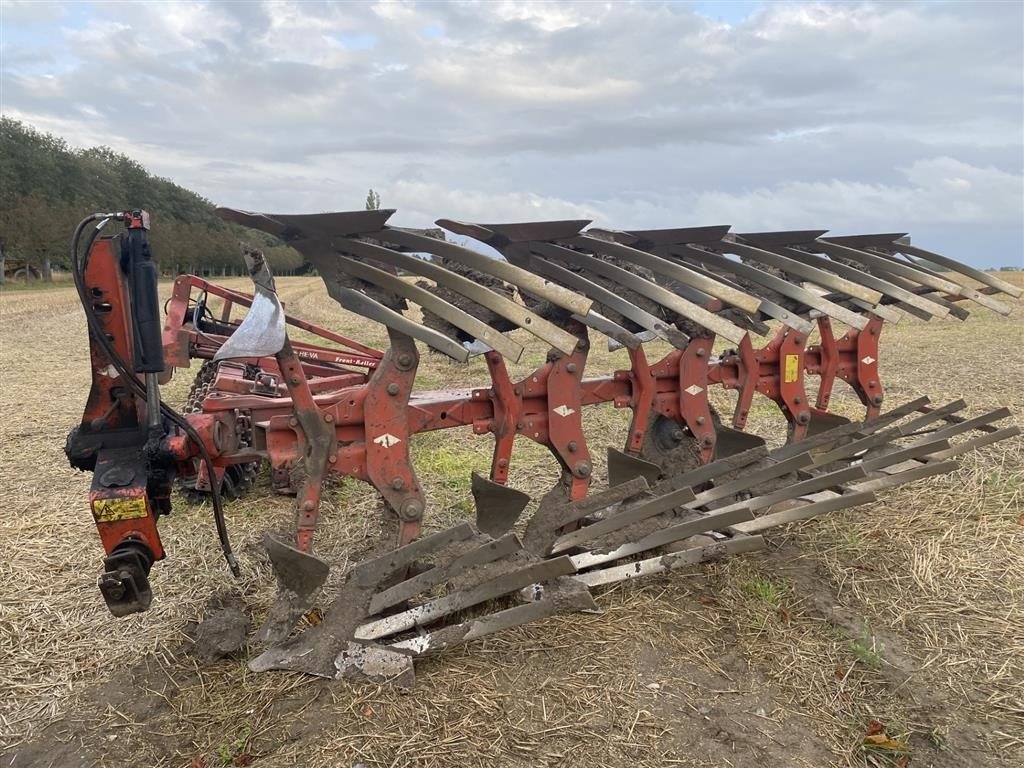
(908, 612)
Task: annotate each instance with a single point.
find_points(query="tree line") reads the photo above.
(46, 187)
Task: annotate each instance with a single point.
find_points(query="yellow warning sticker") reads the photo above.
(792, 372)
(112, 510)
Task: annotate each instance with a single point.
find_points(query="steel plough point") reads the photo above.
(688, 486)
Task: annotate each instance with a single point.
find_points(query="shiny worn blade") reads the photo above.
(548, 332)
(964, 291)
(575, 511)
(299, 577)
(975, 442)
(497, 506)
(816, 483)
(828, 503)
(623, 517)
(497, 341)
(878, 264)
(262, 331)
(854, 429)
(672, 270)
(664, 563)
(768, 308)
(563, 601)
(952, 264)
(503, 270)
(361, 304)
(609, 328)
(433, 610)
(777, 284)
(817, 276)
(885, 287)
(404, 590)
(671, 301)
(659, 538)
(608, 299)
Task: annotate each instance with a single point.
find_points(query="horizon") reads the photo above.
(843, 116)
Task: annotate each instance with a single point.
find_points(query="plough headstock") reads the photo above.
(685, 488)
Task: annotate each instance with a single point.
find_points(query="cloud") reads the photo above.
(851, 115)
(941, 187)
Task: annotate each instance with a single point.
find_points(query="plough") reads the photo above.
(684, 489)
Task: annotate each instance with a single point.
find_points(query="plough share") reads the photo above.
(685, 488)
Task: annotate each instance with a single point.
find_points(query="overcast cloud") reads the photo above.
(852, 117)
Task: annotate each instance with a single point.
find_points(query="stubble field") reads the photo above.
(905, 617)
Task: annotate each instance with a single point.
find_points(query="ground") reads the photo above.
(887, 635)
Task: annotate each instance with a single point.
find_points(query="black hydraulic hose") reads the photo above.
(119, 364)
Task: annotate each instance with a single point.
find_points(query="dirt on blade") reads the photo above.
(862, 639)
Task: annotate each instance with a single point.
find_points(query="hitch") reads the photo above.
(124, 583)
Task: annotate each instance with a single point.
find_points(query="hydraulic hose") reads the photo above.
(128, 375)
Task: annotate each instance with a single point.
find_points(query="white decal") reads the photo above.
(110, 371)
(387, 440)
(563, 410)
(868, 360)
(693, 389)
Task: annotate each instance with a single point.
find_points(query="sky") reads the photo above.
(852, 117)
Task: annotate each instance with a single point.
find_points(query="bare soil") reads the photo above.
(887, 635)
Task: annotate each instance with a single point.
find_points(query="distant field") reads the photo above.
(907, 615)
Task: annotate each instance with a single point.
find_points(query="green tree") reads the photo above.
(47, 187)
(372, 200)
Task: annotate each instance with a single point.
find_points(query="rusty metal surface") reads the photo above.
(420, 595)
(516, 313)
(654, 292)
(452, 314)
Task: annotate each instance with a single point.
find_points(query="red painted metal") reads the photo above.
(693, 395)
(183, 341)
(306, 404)
(852, 358)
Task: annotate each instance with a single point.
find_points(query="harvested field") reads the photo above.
(901, 622)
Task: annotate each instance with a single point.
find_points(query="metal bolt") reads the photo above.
(700, 421)
(797, 340)
(520, 425)
(503, 463)
(677, 435)
(572, 446)
(404, 361)
(876, 400)
(872, 383)
(571, 367)
(115, 588)
(332, 459)
(294, 380)
(398, 483)
(411, 509)
(803, 417)
(309, 506)
(328, 418)
(798, 399)
(392, 389)
(582, 469)
(293, 422)
(700, 352)
(707, 440)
